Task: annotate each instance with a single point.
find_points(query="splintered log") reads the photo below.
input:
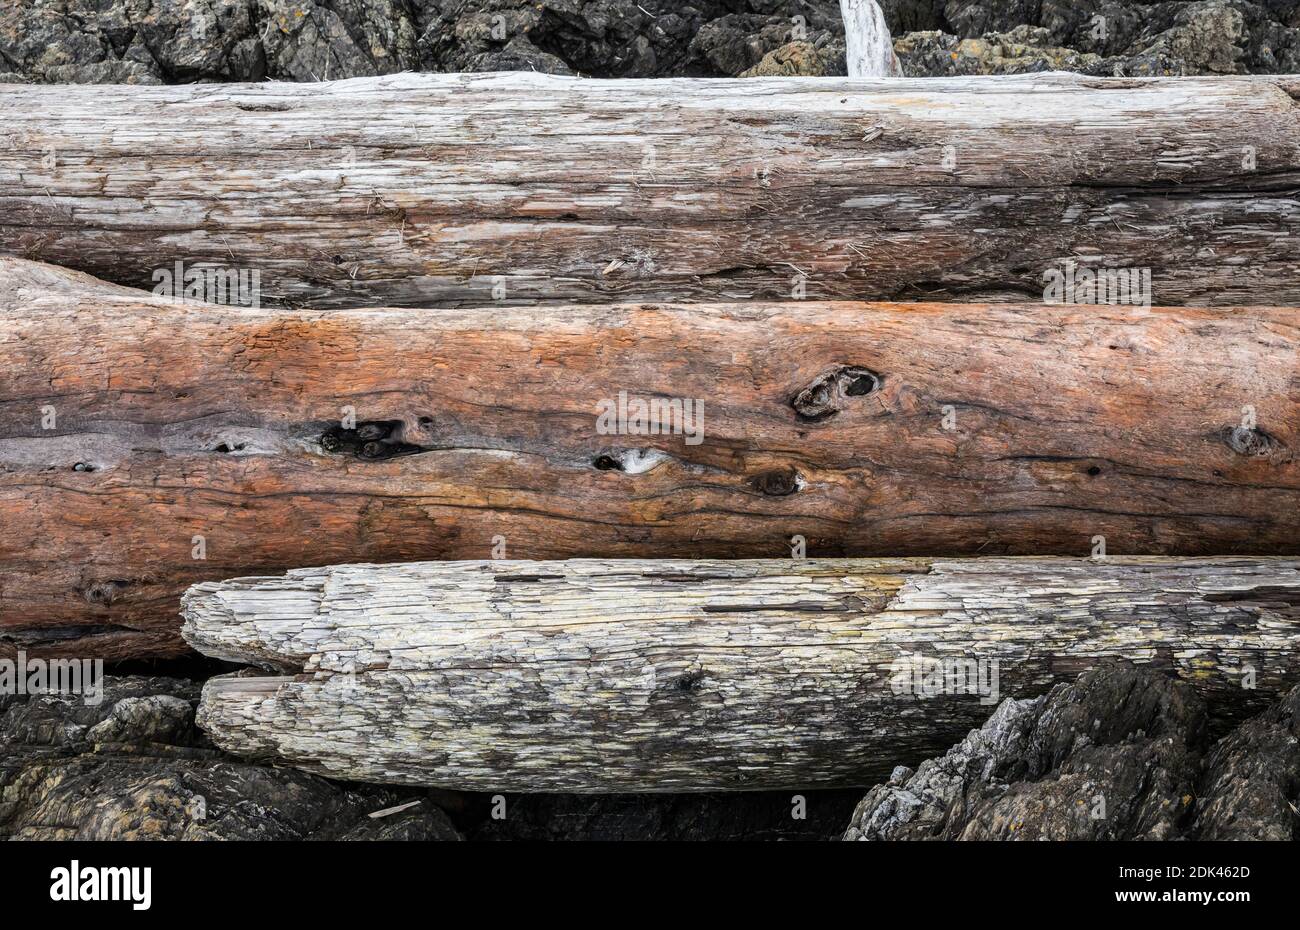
(452, 190)
(702, 675)
(146, 446)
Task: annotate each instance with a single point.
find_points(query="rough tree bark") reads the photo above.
(133, 430)
(639, 675)
(449, 190)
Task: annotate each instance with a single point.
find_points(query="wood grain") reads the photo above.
(433, 190)
(639, 675)
(473, 427)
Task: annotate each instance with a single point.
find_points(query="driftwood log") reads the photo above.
(436, 190)
(680, 675)
(146, 446)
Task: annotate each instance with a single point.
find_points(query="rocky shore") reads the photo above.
(178, 41)
(1121, 754)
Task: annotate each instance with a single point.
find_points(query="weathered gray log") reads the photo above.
(643, 675)
(146, 446)
(439, 190)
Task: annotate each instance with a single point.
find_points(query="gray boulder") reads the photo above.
(1121, 754)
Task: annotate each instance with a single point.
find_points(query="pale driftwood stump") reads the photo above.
(699, 675)
(438, 190)
(823, 420)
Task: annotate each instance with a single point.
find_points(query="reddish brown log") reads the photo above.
(824, 420)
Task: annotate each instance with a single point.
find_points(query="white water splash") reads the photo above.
(870, 47)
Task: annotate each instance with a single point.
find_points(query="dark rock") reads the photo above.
(738, 816)
(1250, 788)
(737, 42)
(904, 16)
(1023, 50)
(1121, 754)
(135, 767)
(1104, 758)
(801, 58)
(171, 41)
(1201, 37)
(518, 55)
(424, 822)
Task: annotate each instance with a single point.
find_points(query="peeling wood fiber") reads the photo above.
(650, 675)
(447, 190)
(478, 427)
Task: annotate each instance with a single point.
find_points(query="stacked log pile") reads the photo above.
(469, 286)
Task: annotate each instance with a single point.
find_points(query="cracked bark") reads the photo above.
(653, 675)
(435, 190)
(823, 420)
